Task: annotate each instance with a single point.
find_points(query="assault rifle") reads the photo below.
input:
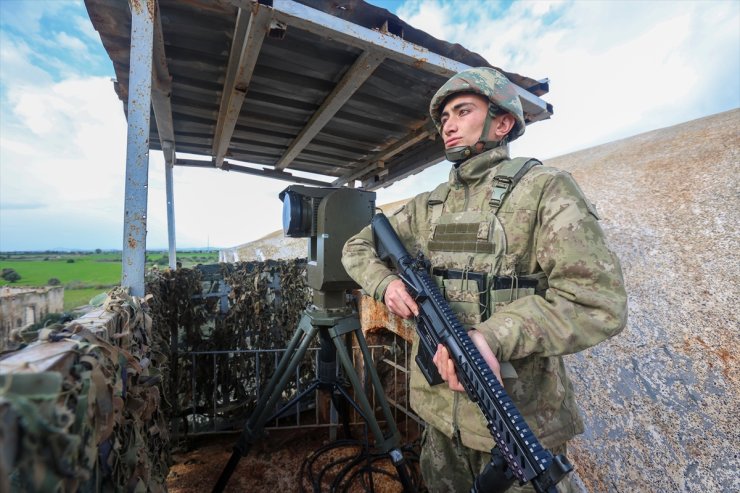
(517, 454)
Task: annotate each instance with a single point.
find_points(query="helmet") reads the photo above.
(492, 85)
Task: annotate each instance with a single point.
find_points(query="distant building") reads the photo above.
(21, 307)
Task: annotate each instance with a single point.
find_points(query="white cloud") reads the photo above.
(70, 42)
(27, 15)
(430, 16)
(17, 72)
(616, 68)
(61, 144)
(220, 208)
(64, 145)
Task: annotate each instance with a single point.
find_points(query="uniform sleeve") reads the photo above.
(360, 259)
(586, 302)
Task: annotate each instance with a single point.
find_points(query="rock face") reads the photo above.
(662, 400)
(274, 246)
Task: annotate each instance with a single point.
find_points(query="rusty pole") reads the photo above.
(137, 147)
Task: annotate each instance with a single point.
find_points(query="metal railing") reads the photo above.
(224, 410)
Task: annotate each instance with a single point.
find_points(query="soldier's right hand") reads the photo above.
(399, 301)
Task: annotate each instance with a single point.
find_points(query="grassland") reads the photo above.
(85, 274)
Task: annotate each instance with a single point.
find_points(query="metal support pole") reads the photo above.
(169, 163)
(137, 147)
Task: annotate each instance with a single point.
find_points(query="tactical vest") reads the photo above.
(468, 250)
(484, 260)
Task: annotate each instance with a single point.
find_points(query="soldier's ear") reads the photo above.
(502, 125)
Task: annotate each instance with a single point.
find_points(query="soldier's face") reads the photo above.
(462, 119)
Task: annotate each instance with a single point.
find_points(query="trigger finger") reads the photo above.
(451, 375)
(455, 383)
(397, 308)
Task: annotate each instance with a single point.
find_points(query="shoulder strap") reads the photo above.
(436, 201)
(507, 176)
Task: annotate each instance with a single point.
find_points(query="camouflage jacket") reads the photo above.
(545, 230)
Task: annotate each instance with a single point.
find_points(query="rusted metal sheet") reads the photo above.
(375, 316)
(358, 73)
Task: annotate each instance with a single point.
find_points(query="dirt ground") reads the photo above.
(280, 462)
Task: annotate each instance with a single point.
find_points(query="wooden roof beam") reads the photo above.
(371, 163)
(352, 80)
(252, 25)
(162, 87)
(392, 47)
(264, 172)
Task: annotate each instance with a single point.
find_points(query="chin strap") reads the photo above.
(461, 153)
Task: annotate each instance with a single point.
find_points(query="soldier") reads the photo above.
(519, 254)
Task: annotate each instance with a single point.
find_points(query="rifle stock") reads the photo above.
(518, 453)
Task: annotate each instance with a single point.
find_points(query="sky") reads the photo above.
(616, 69)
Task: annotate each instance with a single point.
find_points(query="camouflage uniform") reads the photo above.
(447, 465)
(545, 231)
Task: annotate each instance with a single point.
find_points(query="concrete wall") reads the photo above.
(20, 307)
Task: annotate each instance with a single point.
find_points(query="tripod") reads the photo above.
(332, 326)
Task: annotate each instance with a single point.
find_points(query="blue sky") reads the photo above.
(617, 68)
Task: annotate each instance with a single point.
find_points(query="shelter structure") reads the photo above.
(324, 93)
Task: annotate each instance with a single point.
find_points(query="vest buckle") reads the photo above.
(502, 185)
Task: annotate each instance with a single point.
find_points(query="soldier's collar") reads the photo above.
(477, 167)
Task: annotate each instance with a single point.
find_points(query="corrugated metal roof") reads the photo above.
(337, 88)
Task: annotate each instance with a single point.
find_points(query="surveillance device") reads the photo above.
(328, 217)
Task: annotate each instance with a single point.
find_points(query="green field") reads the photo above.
(85, 274)
(79, 297)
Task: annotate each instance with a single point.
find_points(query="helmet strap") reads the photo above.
(460, 153)
(490, 115)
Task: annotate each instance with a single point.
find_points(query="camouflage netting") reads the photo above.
(224, 313)
(91, 421)
(96, 419)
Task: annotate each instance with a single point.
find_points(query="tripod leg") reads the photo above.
(256, 423)
(342, 408)
(391, 445)
(377, 386)
(351, 374)
(295, 400)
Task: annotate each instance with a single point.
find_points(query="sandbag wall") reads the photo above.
(80, 405)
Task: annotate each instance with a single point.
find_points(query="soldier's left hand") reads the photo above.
(446, 366)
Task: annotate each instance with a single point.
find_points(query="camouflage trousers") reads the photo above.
(448, 466)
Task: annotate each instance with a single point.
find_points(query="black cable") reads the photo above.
(350, 472)
(330, 465)
(353, 471)
(307, 465)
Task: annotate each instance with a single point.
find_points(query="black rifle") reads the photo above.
(518, 454)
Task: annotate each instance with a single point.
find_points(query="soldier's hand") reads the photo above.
(446, 366)
(399, 301)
